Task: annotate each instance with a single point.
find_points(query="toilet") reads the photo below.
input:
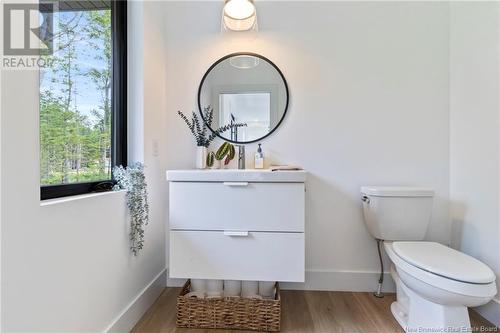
(434, 283)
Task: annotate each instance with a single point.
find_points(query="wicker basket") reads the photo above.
(229, 312)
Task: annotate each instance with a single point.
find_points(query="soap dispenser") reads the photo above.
(259, 158)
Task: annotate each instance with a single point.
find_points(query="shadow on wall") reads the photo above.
(337, 214)
(457, 212)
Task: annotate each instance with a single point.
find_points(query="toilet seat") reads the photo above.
(444, 261)
(440, 281)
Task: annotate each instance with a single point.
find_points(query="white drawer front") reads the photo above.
(260, 256)
(237, 206)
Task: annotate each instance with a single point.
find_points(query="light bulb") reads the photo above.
(239, 9)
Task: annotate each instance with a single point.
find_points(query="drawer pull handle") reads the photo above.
(236, 183)
(236, 233)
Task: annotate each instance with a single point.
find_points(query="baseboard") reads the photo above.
(136, 309)
(175, 282)
(330, 281)
(491, 311)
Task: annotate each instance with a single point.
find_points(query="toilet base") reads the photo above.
(417, 314)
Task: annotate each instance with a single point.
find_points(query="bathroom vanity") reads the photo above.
(237, 224)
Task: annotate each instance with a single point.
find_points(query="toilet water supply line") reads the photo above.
(379, 293)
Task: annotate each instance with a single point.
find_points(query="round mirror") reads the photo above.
(245, 94)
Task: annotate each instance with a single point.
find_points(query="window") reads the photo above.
(253, 109)
(83, 98)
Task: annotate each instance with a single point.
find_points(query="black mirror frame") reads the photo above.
(200, 110)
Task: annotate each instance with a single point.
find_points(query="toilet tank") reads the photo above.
(397, 213)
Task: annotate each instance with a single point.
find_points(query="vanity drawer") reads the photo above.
(237, 206)
(260, 256)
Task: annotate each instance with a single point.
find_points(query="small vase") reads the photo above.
(201, 157)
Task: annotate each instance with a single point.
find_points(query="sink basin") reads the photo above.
(236, 175)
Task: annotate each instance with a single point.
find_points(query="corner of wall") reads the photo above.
(129, 317)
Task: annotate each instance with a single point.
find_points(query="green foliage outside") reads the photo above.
(75, 101)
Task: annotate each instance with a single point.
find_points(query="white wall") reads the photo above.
(67, 267)
(369, 105)
(474, 133)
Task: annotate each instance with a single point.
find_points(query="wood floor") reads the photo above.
(303, 312)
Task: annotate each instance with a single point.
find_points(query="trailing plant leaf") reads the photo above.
(132, 180)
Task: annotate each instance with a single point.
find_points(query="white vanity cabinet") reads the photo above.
(237, 224)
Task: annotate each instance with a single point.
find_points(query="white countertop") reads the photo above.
(235, 175)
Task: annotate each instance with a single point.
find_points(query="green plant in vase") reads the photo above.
(199, 129)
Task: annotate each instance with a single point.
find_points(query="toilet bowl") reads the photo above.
(434, 296)
(434, 283)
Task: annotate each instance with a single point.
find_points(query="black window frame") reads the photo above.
(118, 111)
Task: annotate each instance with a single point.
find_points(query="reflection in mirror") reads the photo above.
(245, 88)
(252, 109)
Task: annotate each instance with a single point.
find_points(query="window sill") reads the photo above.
(56, 201)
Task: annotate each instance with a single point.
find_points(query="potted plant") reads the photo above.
(199, 129)
(225, 154)
(212, 162)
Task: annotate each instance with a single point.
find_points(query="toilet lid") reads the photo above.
(444, 261)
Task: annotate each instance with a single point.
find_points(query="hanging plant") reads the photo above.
(199, 128)
(132, 180)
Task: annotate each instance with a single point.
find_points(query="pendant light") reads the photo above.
(239, 15)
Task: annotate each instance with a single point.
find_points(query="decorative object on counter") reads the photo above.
(229, 312)
(259, 158)
(211, 161)
(199, 129)
(132, 180)
(201, 157)
(225, 152)
(285, 168)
